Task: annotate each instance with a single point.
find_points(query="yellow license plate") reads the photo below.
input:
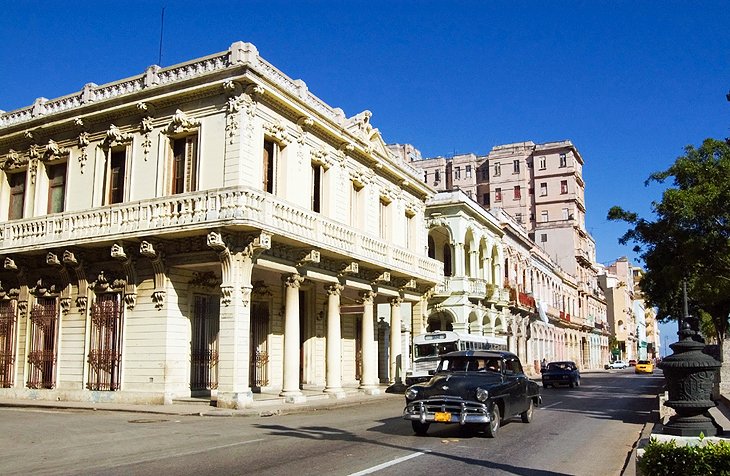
(442, 416)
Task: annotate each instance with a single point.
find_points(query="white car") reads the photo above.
(618, 364)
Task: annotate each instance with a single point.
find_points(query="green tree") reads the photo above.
(689, 237)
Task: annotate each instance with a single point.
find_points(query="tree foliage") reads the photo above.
(689, 237)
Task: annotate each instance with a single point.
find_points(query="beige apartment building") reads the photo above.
(207, 229)
(624, 316)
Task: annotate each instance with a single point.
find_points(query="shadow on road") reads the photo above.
(325, 433)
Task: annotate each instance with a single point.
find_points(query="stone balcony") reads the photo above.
(474, 288)
(186, 214)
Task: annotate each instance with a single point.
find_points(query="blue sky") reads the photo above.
(629, 82)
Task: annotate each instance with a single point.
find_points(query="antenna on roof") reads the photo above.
(162, 27)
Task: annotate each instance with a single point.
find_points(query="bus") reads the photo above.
(428, 347)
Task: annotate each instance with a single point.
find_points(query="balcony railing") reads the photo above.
(208, 209)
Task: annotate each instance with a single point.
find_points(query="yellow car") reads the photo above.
(644, 367)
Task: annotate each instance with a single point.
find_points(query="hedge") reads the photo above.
(668, 459)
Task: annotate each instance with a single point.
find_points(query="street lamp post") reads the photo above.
(690, 375)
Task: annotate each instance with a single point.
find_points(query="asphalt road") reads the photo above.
(585, 431)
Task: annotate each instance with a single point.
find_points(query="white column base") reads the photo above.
(337, 393)
(234, 400)
(294, 398)
(371, 390)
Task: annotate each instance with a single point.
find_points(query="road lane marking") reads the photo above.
(387, 464)
(551, 405)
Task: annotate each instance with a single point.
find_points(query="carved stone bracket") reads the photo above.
(319, 157)
(348, 268)
(10, 265)
(217, 243)
(65, 292)
(311, 257)
(148, 250)
(130, 289)
(258, 245)
(83, 143)
(52, 151)
(303, 125)
(69, 259)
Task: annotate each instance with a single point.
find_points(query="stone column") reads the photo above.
(290, 389)
(234, 390)
(368, 383)
(459, 264)
(333, 385)
(237, 261)
(395, 345)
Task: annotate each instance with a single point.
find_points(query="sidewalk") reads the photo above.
(264, 404)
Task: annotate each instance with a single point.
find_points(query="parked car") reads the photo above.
(561, 373)
(474, 389)
(644, 367)
(632, 362)
(617, 364)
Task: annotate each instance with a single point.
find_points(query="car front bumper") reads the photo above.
(446, 410)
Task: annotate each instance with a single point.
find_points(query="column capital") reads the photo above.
(396, 301)
(294, 280)
(368, 296)
(333, 288)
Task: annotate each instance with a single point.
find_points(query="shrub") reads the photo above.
(668, 459)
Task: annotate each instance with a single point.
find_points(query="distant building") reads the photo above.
(541, 187)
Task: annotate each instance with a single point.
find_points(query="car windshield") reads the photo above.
(470, 364)
(644, 362)
(559, 366)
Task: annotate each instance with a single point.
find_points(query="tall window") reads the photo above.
(184, 164)
(43, 344)
(7, 342)
(457, 173)
(543, 163)
(516, 166)
(115, 175)
(317, 188)
(467, 171)
(563, 187)
(518, 192)
(485, 198)
(563, 160)
(544, 216)
(17, 194)
(355, 206)
(485, 173)
(56, 187)
(566, 215)
(436, 176)
(105, 351)
(497, 194)
(543, 189)
(384, 219)
(271, 150)
(425, 176)
(497, 169)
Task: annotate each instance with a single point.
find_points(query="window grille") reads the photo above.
(7, 343)
(42, 351)
(259, 350)
(204, 343)
(105, 353)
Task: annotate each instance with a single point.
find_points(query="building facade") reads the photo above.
(210, 228)
(541, 187)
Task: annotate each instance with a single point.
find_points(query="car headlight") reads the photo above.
(482, 395)
(411, 393)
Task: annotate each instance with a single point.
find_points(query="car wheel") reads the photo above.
(420, 428)
(527, 414)
(571, 384)
(493, 426)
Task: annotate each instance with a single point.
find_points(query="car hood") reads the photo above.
(458, 384)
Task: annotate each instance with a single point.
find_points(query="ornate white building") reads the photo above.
(498, 283)
(209, 228)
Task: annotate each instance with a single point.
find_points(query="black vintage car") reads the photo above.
(564, 372)
(474, 389)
